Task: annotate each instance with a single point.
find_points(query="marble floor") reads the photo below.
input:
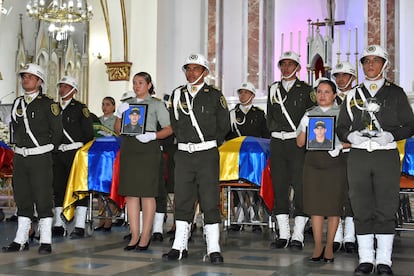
(245, 253)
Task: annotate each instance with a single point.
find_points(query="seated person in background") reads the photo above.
(246, 120)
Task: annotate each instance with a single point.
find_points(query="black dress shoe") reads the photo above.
(131, 247)
(143, 248)
(328, 260)
(157, 237)
(14, 247)
(383, 269)
(364, 268)
(317, 259)
(296, 245)
(336, 246)
(175, 255)
(58, 231)
(77, 233)
(350, 247)
(171, 232)
(235, 227)
(12, 218)
(102, 229)
(280, 243)
(216, 258)
(256, 229)
(45, 248)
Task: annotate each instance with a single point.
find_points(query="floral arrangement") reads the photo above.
(372, 105)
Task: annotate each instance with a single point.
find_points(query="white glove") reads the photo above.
(357, 138)
(121, 109)
(146, 137)
(335, 152)
(383, 138)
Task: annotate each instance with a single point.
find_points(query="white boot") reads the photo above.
(284, 227)
(58, 222)
(299, 228)
(349, 232)
(45, 229)
(384, 248)
(182, 233)
(80, 216)
(157, 226)
(212, 239)
(339, 235)
(23, 228)
(366, 250)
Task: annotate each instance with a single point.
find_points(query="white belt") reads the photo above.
(34, 151)
(66, 147)
(371, 146)
(284, 135)
(190, 147)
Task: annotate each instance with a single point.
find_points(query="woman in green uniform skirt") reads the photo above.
(140, 160)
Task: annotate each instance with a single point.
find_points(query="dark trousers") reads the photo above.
(374, 185)
(32, 184)
(161, 199)
(286, 165)
(197, 177)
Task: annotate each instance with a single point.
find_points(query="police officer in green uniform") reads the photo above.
(200, 120)
(246, 120)
(374, 116)
(37, 131)
(344, 75)
(287, 102)
(77, 131)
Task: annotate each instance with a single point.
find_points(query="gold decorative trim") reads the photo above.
(118, 71)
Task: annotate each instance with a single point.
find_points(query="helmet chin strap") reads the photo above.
(291, 75)
(346, 85)
(67, 94)
(380, 73)
(199, 78)
(247, 101)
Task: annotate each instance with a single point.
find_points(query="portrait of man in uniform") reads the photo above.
(320, 133)
(133, 120)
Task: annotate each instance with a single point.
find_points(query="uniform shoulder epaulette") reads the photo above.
(256, 108)
(217, 88)
(40, 96)
(179, 87)
(155, 98)
(310, 108)
(275, 83)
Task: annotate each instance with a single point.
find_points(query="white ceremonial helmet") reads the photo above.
(289, 55)
(196, 59)
(127, 95)
(33, 69)
(247, 86)
(70, 81)
(375, 50)
(343, 67)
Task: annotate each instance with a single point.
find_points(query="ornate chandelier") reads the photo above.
(60, 14)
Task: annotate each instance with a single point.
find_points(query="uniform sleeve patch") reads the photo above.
(223, 102)
(85, 112)
(55, 109)
(312, 96)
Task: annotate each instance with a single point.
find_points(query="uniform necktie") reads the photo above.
(193, 89)
(342, 95)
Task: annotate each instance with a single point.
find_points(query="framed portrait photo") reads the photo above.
(321, 133)
(134, 119)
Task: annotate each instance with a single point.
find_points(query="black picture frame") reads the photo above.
(320, 134)
(128, 128)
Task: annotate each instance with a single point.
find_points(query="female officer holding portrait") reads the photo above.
(140, 161)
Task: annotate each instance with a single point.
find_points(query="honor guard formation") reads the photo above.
(333, 157)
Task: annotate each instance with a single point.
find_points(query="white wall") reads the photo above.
(406, 45)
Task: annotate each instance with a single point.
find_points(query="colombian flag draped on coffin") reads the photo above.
(246, 158)
(92, 170)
